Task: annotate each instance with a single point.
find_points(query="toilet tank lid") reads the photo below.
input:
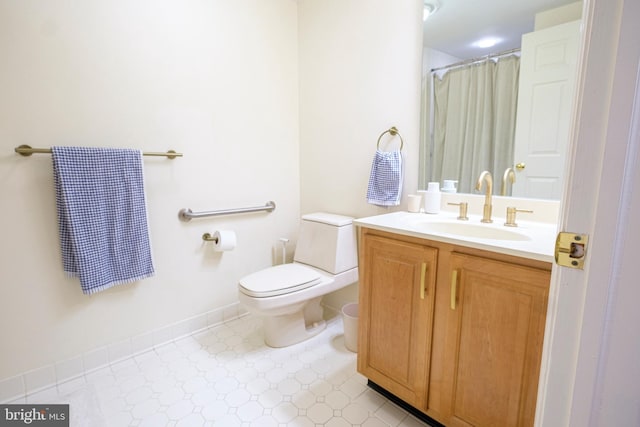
(328, 218)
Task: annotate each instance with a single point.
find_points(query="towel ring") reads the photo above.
(393, 131)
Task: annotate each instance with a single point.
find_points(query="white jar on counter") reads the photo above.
(432, 198)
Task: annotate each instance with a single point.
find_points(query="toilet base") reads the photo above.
(288, 329)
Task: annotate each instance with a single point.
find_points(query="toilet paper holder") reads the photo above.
(223, 240)
(208, 237)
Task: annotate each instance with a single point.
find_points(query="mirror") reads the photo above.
(466, 132)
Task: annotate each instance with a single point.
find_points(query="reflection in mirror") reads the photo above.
(505, 109)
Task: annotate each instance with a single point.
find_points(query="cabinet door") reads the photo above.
(494, 341)
(396, 298)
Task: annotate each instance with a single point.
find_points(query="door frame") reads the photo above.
(596, 193)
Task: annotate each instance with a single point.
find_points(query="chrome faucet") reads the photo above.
(486, 176)
(509, 175)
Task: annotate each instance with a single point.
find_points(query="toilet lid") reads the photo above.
(278, 280)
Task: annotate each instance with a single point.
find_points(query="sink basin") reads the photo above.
(464, 229)
(531, 240)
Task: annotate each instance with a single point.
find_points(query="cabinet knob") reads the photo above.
(454, 290)
(423, 274)
(520, 166)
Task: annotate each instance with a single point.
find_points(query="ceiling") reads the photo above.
(458, 23)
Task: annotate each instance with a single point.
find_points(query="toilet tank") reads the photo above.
(328, 242)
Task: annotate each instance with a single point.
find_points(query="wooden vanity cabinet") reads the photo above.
(395, 316)
(495, 327)
(468, 353)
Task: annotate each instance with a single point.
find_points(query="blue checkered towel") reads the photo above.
(385, 181)
(102, 216)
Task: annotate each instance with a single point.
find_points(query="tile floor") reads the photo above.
(226, 376)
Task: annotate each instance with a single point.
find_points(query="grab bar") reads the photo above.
(187, 214)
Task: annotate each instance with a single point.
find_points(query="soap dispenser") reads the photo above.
(432, 198)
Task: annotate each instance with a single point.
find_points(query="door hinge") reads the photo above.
(571, 249)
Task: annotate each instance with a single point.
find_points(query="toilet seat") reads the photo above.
(279, 280)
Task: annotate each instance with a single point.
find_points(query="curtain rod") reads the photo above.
(478, 59)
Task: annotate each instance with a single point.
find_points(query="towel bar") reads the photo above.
(392, 131)
(26, 150)
(188, 214)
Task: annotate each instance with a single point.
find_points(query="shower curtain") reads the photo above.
(473, 122)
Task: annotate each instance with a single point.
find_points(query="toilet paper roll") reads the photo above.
(225, 240)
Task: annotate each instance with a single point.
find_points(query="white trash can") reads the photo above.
(350, 320)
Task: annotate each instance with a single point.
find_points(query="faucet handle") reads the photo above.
(464, 206)
(511, 216)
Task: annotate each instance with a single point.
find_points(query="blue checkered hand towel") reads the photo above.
(385, 181)
(102, 216)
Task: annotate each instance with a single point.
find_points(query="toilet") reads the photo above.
(288, 296)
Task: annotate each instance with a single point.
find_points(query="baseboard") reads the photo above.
(19, 386)
(404, 405)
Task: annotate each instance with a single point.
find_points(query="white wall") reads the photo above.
(433, 58)
(559, 15)
(359, 75)
(216, 80)
(360, 65)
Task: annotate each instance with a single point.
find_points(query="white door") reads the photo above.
(590, 374)
(545, 100)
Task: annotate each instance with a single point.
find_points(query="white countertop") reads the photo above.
(532, 240)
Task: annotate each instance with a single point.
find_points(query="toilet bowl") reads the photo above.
(288, 296)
